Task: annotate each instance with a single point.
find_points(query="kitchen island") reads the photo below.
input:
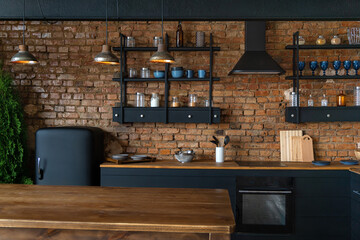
(69, 212)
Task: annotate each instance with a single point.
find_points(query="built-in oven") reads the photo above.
(264, 204)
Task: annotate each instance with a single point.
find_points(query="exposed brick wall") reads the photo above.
(66, 88)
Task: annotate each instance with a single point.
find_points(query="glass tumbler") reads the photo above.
(192, 100)
(132, 73)
(130, 42)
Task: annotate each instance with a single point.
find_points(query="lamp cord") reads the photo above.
(24, 24)
(43, 15)
(162, 19)
(106, 15)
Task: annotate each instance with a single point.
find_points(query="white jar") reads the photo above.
(154, 102)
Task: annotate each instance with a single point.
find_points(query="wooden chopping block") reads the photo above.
(286, 143)
(302, 149)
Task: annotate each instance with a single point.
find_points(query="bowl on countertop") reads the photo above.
(185, 156)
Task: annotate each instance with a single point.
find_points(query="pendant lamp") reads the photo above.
(24, 56)
(162, 55)
(106, 56)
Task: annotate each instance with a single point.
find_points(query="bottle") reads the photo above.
(324, 101)
(340, 100)
(357, 96)
(140, 100)
(310, 101)
(320, 40)
(179, 36)
(335, 40)
(154, 101)
(293, 99)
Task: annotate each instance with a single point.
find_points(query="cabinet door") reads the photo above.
(355, 206)
(193, 115)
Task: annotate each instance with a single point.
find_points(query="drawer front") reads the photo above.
(116, 114)
(193, 116)
(144, 115)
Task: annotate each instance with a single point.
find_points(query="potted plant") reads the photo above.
(12, 133)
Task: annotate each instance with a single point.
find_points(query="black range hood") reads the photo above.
(255, 59)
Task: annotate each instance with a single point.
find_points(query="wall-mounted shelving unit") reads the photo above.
(166, 114)
(317, 114)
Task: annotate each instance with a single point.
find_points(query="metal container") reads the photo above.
(130, 42)
(184, 156)
(145, 73)
(157, 40)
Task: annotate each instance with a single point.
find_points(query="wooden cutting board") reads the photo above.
(286, 143)
(302, 149)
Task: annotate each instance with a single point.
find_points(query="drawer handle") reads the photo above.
(40, 170)
(215, 116)
(356, 192)
(292, 115)
(189, 116)
(142, 115)
(328, 115)
(116, 115)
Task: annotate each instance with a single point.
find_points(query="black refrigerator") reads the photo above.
(69, 156)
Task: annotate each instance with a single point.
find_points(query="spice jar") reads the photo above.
(175, 102)
(301, 40)
(335, 40)
(145, 73)
(157, 40)
(324, 101)
(192, 100)
(140, 100)
(154, 101)
(320, 40)
(340, 100)
(130, 42)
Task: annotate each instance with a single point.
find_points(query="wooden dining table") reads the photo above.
(92, 212)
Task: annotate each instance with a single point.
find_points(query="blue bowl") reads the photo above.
(159, 74)
(177, 73)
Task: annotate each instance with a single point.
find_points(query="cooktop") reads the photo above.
(260, 164)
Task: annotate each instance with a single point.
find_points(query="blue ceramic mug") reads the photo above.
(201, 73)
(189, 73)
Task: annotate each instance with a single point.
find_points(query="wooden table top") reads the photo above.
(165, 164)
(123, 209)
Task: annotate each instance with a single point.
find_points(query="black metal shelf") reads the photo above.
(171, 49)
(323, 77)
(342, 46)
(163, 79)
(322, 114)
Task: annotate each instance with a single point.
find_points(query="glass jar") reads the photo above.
(140, 100)
(155, 100)
(335, 40)
(157, 40)
(357, 96)
(324, 101)
(192, 100)
(130, 42)
(301, 40)
(310, 101)
(132, 73)
(145, 72)
(175, 102)
(340, 100)
(320, 40)
(293, 99)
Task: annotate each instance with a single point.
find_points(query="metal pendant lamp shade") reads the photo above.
(23, 56)
(162, 55)
(106, 56)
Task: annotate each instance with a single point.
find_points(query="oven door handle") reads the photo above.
(266, 191)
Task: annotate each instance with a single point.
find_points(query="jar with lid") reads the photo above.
(140, 99)
(335, 40)
(175, 102)
(301, 40)
(320, 40)
(357, 96)
(130, 42)
(340, 100)
(157, 40)
(293, 99)
(192, 100)
(145, 72)
(324, 101)
(155, 100)
(132, 73)
(310, 101)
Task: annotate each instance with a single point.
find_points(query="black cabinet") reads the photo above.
(322, 198)
(355, 206)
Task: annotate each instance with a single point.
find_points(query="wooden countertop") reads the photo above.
(162, 164)
(120, 209)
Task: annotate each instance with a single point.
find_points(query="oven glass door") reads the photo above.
(264, 211)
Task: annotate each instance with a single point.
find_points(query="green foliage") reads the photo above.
(12, 134)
